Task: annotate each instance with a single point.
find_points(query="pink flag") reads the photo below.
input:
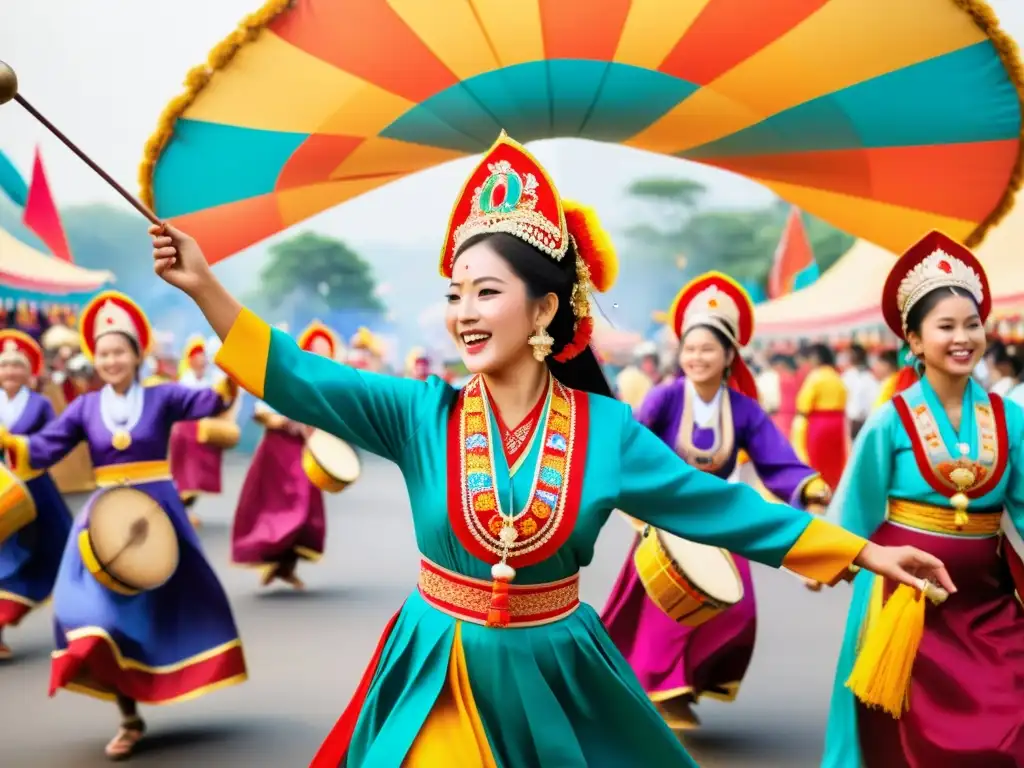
(41, 214)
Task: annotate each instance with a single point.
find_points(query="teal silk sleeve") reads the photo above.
(378, 413)
(1014, 500)
(859, 503)
(658, 487)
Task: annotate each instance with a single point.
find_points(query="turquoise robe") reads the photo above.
(559, 694)
(883, 466)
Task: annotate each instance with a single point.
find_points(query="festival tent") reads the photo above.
(26, 273)
(847, 297)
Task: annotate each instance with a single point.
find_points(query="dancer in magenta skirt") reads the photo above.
(280, 515)
(708, 416)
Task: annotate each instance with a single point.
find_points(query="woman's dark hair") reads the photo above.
(891, 358)
(822, 354)
(543, 275)
(858, 355)
(784, 360)
(720, 337)
(928, 302)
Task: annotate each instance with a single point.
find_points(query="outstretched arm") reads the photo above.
(28, 455)
(658, 487)
(377, 413)
(778, 467)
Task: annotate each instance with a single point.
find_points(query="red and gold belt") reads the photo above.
(530, 605)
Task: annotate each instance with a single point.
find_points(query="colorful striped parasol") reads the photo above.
(885, 118)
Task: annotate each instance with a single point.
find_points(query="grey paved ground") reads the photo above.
(307, 651)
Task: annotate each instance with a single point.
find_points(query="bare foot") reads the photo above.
(5, 652)
(122, 746)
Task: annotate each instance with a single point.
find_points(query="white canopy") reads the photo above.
(25, 268)
(848, 296)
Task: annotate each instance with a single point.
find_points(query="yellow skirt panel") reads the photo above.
(453, 735)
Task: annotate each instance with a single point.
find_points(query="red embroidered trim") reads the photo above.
(514, 441)
(480, 540)
(930, 473)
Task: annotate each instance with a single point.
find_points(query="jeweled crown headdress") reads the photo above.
(510, 192)
(935, 261)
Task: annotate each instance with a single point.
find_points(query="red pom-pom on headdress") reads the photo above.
(593, 244)
(597, 267)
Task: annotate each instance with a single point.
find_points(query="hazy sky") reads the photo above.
(103, 70)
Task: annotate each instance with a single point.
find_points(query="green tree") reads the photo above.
(316, 265)
(740, 243)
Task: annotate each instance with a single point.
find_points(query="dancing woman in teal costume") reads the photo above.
(493, 661)
(939, 468)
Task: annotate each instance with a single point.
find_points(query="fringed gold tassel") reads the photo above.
(881, 674)
(1009, 54)
(498, 614)
(195, 81)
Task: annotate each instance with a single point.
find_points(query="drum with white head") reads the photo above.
(129, 544)
(329, 462)
(690, 582)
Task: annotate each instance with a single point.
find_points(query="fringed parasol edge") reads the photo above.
(1009, 53)
(249, 29)
(195, 81)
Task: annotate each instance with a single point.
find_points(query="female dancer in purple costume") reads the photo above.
(280, 516)
(29, 559)
(175, 642)
(708, 416)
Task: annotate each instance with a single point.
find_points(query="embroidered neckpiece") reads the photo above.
(517, 442)
(713, 458)
(959, 479)
(542, 525)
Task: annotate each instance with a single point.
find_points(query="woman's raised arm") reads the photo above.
(375, 412)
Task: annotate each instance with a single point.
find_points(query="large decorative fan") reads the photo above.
(885, 117)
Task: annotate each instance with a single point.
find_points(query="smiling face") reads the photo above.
(951, 338)
(702, 356)
(14, 374)
(490, 314)
(116, 360)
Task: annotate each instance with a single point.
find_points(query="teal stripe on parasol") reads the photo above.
(560, 97)
(908, 107)
(237, 163)
(12, 183)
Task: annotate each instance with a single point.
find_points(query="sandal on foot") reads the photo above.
(294, 581)
(679, 715)
(5, 652)
(122, 746)
(270, 573)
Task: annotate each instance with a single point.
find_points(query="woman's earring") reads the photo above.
(541, 342)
